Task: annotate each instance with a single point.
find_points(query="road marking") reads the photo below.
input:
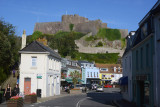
(81, 101)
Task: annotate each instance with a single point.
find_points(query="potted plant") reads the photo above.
(30, 98)
(15, 101)
(75, 76)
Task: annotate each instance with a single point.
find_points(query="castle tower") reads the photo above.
(23, 39)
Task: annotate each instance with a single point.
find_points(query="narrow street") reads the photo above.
(91, 99)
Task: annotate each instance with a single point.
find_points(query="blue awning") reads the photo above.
(69, 80)
(123, 80)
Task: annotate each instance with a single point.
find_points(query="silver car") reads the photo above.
(99, 89)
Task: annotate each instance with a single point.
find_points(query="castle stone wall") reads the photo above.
(48, 27)
(81, 24)
(124, 32)
(74, 19)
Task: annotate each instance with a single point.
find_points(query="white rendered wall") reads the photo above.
(127, 71)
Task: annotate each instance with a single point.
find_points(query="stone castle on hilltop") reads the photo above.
(81, 24)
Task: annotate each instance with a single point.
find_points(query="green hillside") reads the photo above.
(109, 58)
(64, 42)
(110, 34)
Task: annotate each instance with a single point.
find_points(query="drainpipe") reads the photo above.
(155, 62)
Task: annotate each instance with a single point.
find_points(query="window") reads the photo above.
(115, 69)
(119, 69)
(91, 74)
(97, 74)
(34, 61)
(104, 69)
(88, 74)
(136, 60)
(103, 76)
(147, 54)
(142, 58)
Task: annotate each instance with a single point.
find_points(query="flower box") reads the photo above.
(15, 101)
(31, 98)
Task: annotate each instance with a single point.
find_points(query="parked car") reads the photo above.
(99, 89)
(94, 86)
(107, 86)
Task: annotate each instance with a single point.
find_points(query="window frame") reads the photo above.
(32, 59)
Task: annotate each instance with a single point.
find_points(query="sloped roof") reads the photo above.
(110, 67)
(81, 62)
(38, 47)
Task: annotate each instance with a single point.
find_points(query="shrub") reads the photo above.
(71, 27)
(99, 44)
(110, 34)
(123, 42)
(91, 38)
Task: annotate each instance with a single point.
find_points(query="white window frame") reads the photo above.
(34, 60)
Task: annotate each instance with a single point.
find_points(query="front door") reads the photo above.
(27, 86)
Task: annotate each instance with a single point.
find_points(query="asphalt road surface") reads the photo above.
(91, 99)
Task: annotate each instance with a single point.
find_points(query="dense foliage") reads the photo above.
(63, 41)
(98, 58)
(71, 27)
(123, 43)
(35, 35)
(91, 38)
(110, 34)
(9, 47)
(99, 44)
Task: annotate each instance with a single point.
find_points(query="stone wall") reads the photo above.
(74, 19)
(81, 24)
(89, 46)
(124, 32)
(48, 27)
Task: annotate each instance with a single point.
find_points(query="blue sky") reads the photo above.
(121, 14)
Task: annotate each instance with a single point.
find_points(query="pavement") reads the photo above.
(124, 103)
(41, 100)
(109, 98)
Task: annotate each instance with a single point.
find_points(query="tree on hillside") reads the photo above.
(75, 76)
(9, 47)
(65, 45)
(35, 35)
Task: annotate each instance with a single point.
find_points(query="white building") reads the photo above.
(90, 73)
(127, 68)
(40, 69)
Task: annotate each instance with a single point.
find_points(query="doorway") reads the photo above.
(27, 86)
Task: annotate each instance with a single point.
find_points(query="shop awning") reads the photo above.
(69, 80)
(123, 80)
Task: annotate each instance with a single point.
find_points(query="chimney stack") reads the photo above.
(23, 39)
